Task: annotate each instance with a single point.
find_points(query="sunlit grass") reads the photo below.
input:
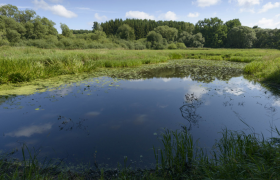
(267, 69)
(22, 64)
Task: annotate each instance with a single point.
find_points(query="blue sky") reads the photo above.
(80, 14)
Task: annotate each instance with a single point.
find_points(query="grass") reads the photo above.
(25, 64)
(267, 69)
(236, 155)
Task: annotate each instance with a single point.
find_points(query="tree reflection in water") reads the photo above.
(68, 124)
(189, 111)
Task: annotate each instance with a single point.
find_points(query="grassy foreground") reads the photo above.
(235, 156)
(23, 64)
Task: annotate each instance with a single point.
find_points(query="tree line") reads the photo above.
(216, 33)
(25, 28)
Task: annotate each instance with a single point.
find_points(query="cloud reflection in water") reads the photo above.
(30, 130)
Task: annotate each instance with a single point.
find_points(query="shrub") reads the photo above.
(139, 46)
(181, 46)
(175, 56)
(172, 46)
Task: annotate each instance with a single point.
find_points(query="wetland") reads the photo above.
(112, 117)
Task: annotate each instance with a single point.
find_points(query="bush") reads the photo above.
(4, 42)
(175, 56)
(181, 46)
(139, 46)
(67, 42)
(158, 46)
(172, 46)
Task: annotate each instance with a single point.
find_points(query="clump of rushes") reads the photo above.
(266, 69)
(235, 156)
(176, 157)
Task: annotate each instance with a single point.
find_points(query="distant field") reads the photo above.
(21, 64)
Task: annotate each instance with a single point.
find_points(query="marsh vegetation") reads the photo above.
(36, 63)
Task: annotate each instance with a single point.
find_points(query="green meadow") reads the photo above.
(26, 64)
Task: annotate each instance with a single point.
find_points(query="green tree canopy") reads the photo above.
(241, 37)
(213, 30)
(97, 26)
(97, 35)
(12, 30)
(232, 23)
(190, 40)
(155, 40)
(169, 33)
(126, 32)
(8, 10)
(65, 30)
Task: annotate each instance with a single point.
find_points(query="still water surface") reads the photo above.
(104, 119)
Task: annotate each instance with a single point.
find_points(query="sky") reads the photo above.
(80, 14)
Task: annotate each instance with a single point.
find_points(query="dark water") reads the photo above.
(104, 119)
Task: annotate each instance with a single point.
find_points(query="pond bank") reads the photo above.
(25, 64)
(235, 156)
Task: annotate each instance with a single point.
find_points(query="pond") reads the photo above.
(104, 119)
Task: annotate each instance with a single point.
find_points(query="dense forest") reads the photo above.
(25, 28)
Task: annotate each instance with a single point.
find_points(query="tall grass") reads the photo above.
(20, 64)
(235, 156)
(267, 69)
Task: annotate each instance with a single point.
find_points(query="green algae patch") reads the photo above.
(141, 72)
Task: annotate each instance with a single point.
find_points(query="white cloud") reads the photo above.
(277, 15)
(136, 80)
(269, 6)
(252, 86)
(56, 1)
(100, 18)
(267, 23)
(166, 79)
(251, 10)
(2, 4)
(248, 3)
(142, 15)
(205, 3)
(276, 103)
(193, 14)
(234, 91)
(138, 15)
(29, 131)
(187, 79)
(56, 9)
(198, 91)
(168, 16)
